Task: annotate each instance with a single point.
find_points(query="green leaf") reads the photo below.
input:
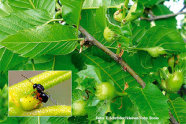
(21, 120)
(3, 79)
(110, 17)
(98, 18)
(12, 24)
(149, 3)
(58, 120)
(88, 78)
(143, 64)
(5, 9)
(51, 62)
(163, 10)
(137, 33)
(11, 120)
(135, 11)
(43, 59)
(77, 119)
(44, 62)
(71, 11)
(90, 17)
(3, 103)
(29, 120)
(122, 106)
(94, 4)
(134, 112)
(45, 120)
(148, 101)
(22, 20)
(97, 111)
(43, 40)
(178, 109)
(90, 72)
(169, 39)
(9, 60)
(48, 5)
(64, 62)
(145, 24)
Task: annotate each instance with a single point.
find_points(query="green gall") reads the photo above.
(29, 103)
(132, 9)
(118, 16)
(155, 51)
(175, 81)
(105, 91)
(109, 35)
(134, 13)
(78, 108)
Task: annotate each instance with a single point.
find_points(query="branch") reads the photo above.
(183, 8)
(162, 16)
(172, 119)
(124, 65)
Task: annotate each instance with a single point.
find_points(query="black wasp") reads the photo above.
(39, 92)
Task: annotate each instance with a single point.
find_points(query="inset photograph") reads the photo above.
(40, 93)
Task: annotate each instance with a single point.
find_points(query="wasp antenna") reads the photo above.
(27, 79)
(53, 101)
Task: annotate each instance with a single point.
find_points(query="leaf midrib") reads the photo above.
(32, 4)
(147, 100)
(174, 110)
(6, 42)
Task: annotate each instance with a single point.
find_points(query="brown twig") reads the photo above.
(172, 119)
(162, 16)
(184, 6)
(93, 41)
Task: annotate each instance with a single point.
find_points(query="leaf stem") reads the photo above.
(111, 47)
(53, 20)
(33, 65)
(125, 7)
(32, 4)
(125, 66)
(53, 65)
(121, 94)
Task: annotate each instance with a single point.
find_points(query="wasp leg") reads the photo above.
(37, 104)
(36, 96)
(40, 99)
(33, 92)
